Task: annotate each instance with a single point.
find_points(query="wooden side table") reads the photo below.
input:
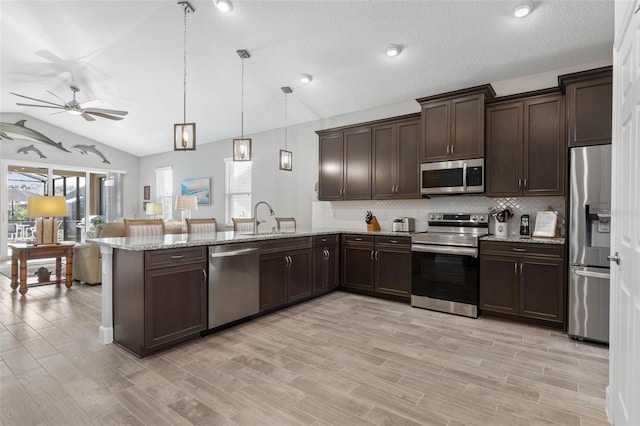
(21, 253)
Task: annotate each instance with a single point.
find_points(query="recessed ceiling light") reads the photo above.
(305, 78)
(393, 50)
(522, 10)
(223, 5)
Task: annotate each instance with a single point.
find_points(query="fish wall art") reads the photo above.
(91, 149)
(31, 148)
(20, 131)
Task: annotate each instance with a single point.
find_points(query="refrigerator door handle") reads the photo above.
(582, 273)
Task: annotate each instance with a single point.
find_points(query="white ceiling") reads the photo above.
(130, 55)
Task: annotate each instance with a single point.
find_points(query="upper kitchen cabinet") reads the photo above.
(345, 165)
(525, 145)
(395, 160)
(588, 97)
(452, 124)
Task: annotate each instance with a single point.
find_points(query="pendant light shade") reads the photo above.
(184, 134)
(286, 157)
(242, 146)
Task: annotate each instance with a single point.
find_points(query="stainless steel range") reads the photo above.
(444, 265)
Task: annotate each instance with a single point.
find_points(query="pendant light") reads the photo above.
(242, 146)
(184, 134)
(286, 157)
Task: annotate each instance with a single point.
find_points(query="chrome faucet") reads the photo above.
(255, 213)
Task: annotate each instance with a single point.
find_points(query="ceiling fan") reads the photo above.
(86, 109)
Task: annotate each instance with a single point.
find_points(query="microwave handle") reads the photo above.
(464, 177)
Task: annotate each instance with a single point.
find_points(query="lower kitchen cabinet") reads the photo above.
(524, 280)
(285, 272)
(379, 265)
(160, 297)
(326, 271)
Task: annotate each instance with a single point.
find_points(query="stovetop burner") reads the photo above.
(454, 229)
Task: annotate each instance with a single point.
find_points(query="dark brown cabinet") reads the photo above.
(159, 297)
(377, 265)
(452, 124)
(377, 160)
(525, 149)
(395, 161)
(326, 271)
(589, 101)
(523, 280)
(285, 272)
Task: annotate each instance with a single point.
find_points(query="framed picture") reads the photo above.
(147, 193)
(199, 187)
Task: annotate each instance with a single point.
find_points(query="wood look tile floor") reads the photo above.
(342, 359)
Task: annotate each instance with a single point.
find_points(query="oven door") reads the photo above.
(445, 273)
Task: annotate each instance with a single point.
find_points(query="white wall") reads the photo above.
(120, 160)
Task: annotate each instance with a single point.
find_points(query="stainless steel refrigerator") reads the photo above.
(589, 242)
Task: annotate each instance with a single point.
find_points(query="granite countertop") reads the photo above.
(168, 241)
(519, 239)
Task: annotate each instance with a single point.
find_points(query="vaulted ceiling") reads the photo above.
(129, 54)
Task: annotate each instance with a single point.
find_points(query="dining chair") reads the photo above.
(143, 227)
(286, 224)
(201, 226)
(244, 224)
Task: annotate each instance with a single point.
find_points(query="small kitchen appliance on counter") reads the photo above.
(402, 224)
(444, 263)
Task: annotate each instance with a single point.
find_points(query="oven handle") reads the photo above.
(464, 251)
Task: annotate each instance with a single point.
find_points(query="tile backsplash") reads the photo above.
(350, 214)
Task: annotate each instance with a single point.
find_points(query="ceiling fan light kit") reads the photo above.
(286, 157)
(184, 134)
(223, 5)
(242, 146)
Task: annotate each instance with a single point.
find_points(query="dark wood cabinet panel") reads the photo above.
(357, 164)
(331, 164)
(540, 295)
(436, 131)
(319, 269)
(332, 268)
(384, 157)
(408, 160)
(525, 150)
(467, 126)
(357, 266)
(544, 148)
(589, 101)
(523, 280)
(325, 268)
(393, 271)
(299, 275)
(499, 284)
(175, 304)
(504, 149)
(273, 285)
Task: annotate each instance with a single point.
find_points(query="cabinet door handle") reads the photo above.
(521, 268)
(372, 254)
(515, 269)
(452, 149)
(358, 239)
(393, 241)
(204, 274)
(518, 249)
(519, 184)
(176, 256)
(525, 183)
(376, 257)
(447, 149)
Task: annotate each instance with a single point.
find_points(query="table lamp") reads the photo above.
(154, 210)
(186, 203)
(45, 209)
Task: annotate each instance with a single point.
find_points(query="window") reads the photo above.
(237, 189)
(164, 190)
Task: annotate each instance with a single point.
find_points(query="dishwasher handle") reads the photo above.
(234, 253)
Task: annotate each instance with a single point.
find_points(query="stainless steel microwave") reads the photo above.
(452, 177)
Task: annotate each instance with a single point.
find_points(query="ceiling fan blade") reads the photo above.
(87, 117)
(39, 100)
(42, 106)
(100, 114)
(59, 112)
(106, 111)
(90, 104)
(49, 91)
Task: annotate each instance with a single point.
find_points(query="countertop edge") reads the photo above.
(518, 239)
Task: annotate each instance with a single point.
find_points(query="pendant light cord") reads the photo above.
(285, 121)
(242, 103)
(184, 100)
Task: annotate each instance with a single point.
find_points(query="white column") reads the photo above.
(105, 333)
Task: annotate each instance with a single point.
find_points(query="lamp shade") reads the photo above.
(46, 206)
(186, 202)
(153, 209)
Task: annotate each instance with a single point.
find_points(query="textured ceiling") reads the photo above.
(130, 55)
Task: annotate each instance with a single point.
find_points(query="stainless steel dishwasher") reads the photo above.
(234, 282)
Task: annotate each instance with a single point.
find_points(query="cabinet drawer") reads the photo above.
(400, 242)
(357, 239)
(285, 244)
(519, 249)
(172, 257)
(323, 240)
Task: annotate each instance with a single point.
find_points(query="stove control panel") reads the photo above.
(460, 218)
